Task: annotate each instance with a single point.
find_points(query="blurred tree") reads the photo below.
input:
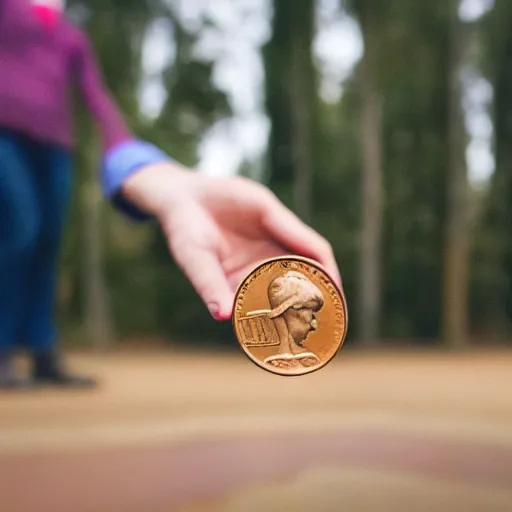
(291, 102)
(121, 77)
(106, 256)
(370, 16)
(493, 255)
(416, 148)
(406, 118)
(402, 130)
(456, 263)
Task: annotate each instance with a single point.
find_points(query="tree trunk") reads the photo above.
(371, 234)
(455, 308)
(98, 321)
(291, 103)
(494, 296)
(301, 143)
(302, 123)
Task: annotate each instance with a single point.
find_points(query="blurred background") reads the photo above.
(386, 125)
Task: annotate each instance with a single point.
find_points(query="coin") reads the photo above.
(289, 316)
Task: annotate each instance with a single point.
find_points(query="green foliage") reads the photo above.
(492, 293)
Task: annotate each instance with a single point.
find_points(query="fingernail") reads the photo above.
(213, 308)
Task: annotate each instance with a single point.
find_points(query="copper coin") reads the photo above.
(290, 318)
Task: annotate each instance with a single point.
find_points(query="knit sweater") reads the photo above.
(38, 68)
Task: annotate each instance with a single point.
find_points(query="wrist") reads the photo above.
(153, 187)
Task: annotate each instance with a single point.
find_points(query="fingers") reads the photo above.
(204, 271)
(288, 230)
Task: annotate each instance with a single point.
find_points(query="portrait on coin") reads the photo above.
(294, 303)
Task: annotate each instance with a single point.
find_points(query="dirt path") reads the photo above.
(164, 433)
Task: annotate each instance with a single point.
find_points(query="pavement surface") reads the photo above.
(370, 432)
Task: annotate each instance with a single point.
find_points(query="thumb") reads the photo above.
(290, 232)
(204, 271)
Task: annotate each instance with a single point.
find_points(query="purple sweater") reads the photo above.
(38, 68)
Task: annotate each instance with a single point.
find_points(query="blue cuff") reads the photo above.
(122, 161)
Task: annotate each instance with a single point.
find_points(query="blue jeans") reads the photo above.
(35, 185)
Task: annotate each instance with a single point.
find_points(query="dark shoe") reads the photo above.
(48, 369)
(9, 378)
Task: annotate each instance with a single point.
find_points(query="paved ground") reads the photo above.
(382, 433)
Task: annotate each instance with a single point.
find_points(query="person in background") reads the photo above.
(217, 229)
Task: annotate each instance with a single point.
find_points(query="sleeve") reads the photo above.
(96, 96)
(14, 12)
(122, 161)
(124, 154)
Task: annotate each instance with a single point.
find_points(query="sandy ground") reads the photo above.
(411, 433)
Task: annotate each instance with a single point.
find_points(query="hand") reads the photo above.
(219, 229)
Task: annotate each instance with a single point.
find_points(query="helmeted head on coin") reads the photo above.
(296, 299)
